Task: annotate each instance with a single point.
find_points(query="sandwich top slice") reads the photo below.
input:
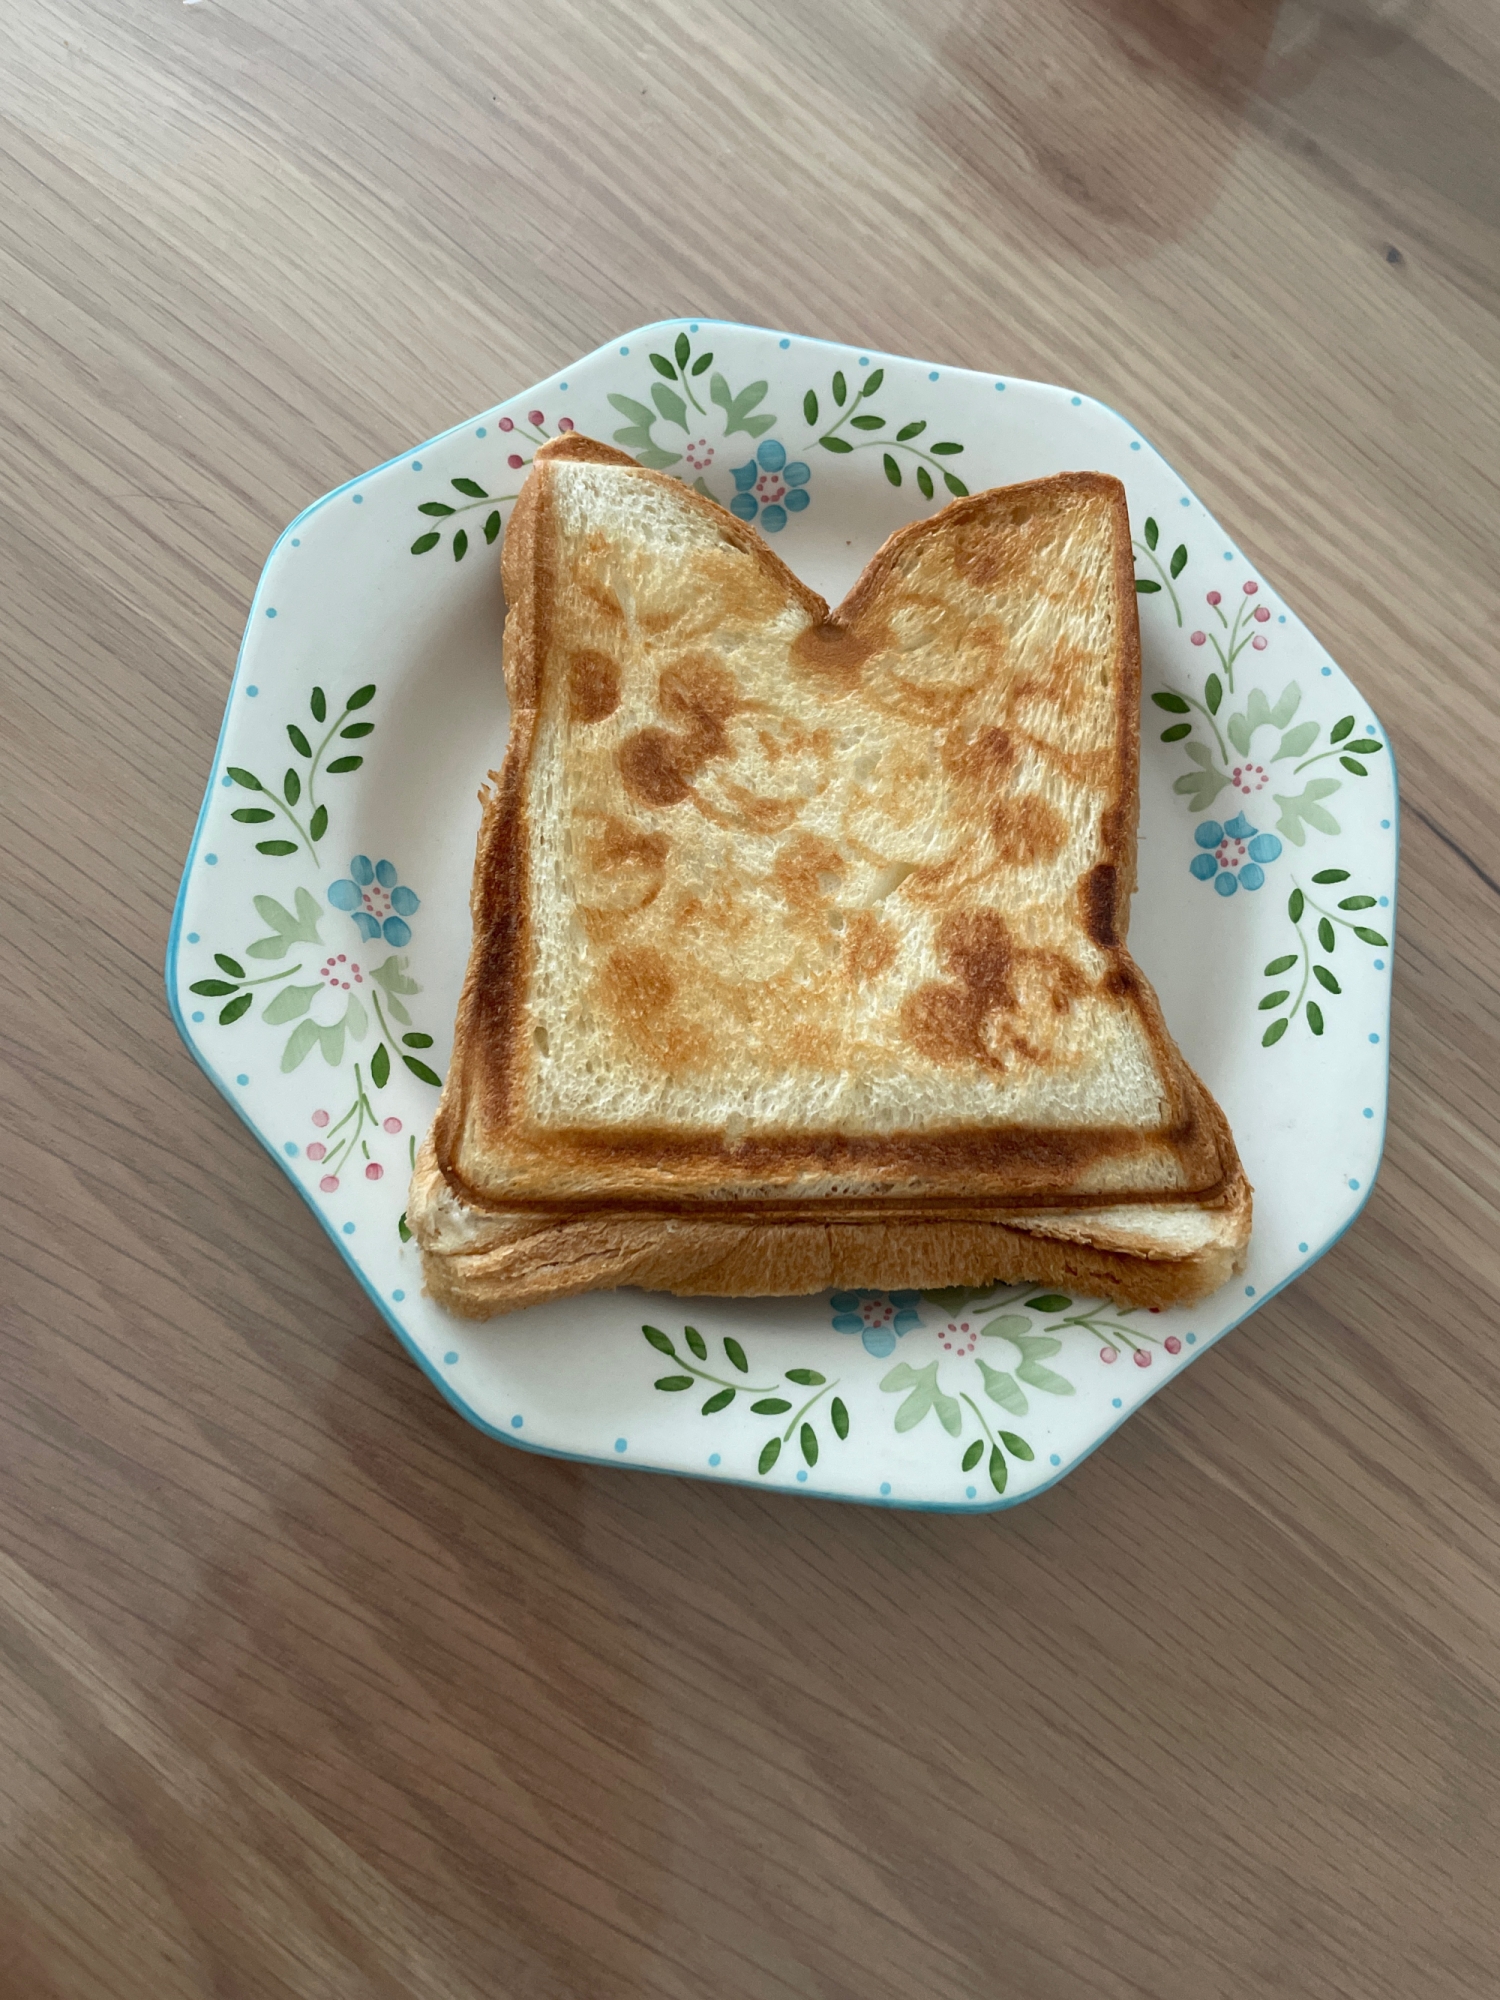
(799, 936)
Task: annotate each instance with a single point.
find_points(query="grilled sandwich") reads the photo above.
(799, 948)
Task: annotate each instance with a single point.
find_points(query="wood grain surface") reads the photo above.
(305, 1687)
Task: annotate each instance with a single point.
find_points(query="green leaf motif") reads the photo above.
(673, 1383)
(1176, 733)
(1358, 769)
(808, 1378)
(460, 550)
(252, 815)
(437, 509)
(361, 697)
(291, 787)
(1304, 807)
(892, 470)
(380, 1067)
(840, 388)
(1326, 936)
(276, 847)
(318, 703)
(1213, 693)
(471, 487)
(1003, 1389)
(671, 405)
(1345, 903)
(1006, 1325)
(1368, 936)
(1326, 979)
(639, 413)
(808, 1439)
(1173, 703)
(663, 367)
(872, 385)
(835, 444)
(1179, 560)
(492, 526)
(810, 409)
(1342, 728)
(736, 1354)
(1152, 534)
(289, 1004)
(1034, 1349)
(839, 1417)
(246, 778)
(703, 361)
(1282, 964)
(288, 929)
(955, 485)
(1145, 586)
(867, 423)
(997, 1470)
(1296, 903)
(317, 826)
(682, 348)
(947, 449)
(230, 965)
(356, 730)
(401, 1227)
(770, 1452)
(911, 430)
(1365, 747)
(696, 1342)
(420, 547)
(1049, 1302)
(737, 408)
(1016, 1446)
(421, 1071)
(1275, 1032)
(342, 764)
(771, 1406)
(973, 1455)
(390, 974)
(1314, 1017)
(1274, 1000)
(924, 482)
(660, 1341)
(719, 1400)
(304, 1039)
(212, 989)
(228, 1015)
(1295, 741)
(416, 1041)
(1332, 875)
(925, 1395)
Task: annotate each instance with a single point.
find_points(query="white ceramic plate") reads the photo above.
(322, 926)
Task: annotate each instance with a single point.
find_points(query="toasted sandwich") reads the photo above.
(799, 936)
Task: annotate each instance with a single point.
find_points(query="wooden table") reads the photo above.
(305, 1687)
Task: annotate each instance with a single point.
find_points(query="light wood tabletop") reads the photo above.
(306, 1687)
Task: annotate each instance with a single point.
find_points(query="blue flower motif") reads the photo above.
(767, 486)
(879, 1318)
(1234, 856)
(378, 902)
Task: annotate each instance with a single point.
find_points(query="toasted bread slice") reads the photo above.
(811, 925)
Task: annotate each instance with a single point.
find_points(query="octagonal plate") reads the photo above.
(322, 926)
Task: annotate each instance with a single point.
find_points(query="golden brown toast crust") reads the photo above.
(791, 1175)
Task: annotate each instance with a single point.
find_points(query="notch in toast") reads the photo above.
(814, 920)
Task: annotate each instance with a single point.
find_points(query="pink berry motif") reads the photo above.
(1248, 778)
(699, 454)
(1172, 1344)
(339, 974)
(1142, 1357)
(959, 1337)
(472, 498)
(1109, 1355)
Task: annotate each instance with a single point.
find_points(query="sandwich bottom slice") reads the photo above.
(477, 1263)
